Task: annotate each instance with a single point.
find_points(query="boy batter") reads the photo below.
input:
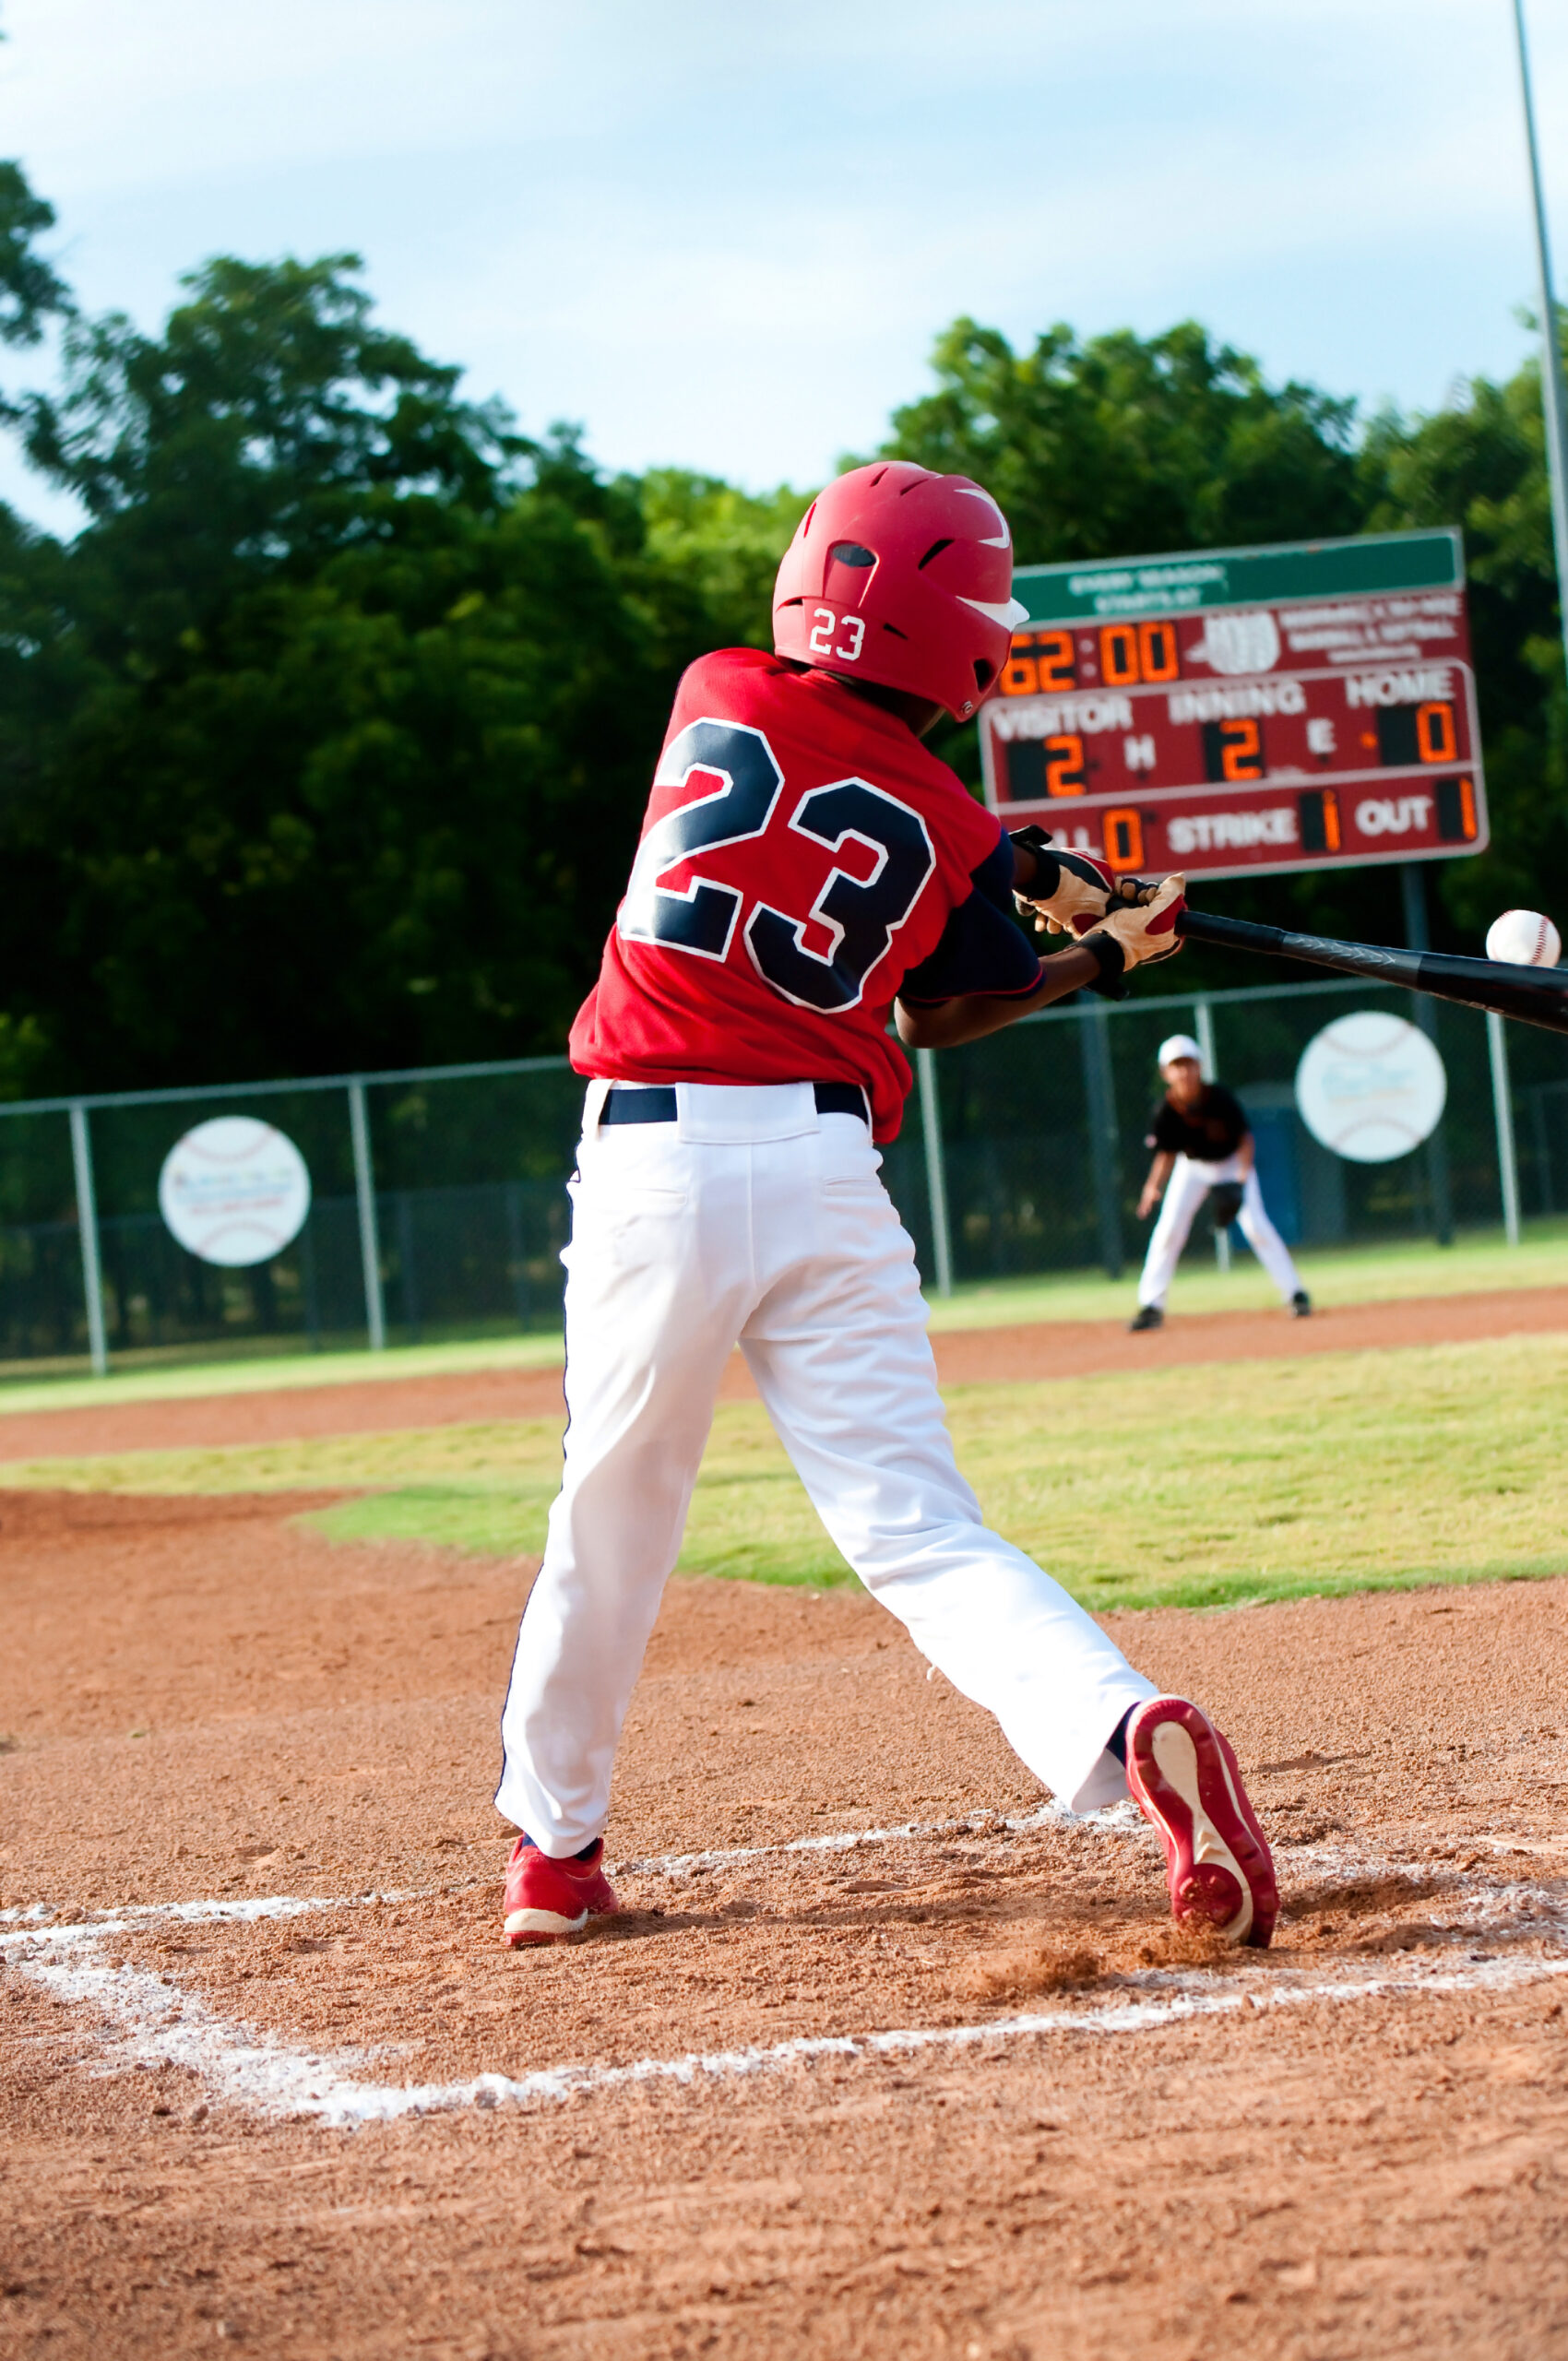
(806, 870)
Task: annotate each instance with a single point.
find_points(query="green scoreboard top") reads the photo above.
(1231, 712)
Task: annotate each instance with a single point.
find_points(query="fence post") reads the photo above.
(1503, 1108)
(1543, 1149)
(370, 1240)
(1105, 1144)
(1204, 1010)
(86, 1223)
(1418, 934)
(935, 1169)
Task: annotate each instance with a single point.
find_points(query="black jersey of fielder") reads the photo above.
(1209, 1130)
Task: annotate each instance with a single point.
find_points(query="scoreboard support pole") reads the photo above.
(1418, 934)
(1553, 404)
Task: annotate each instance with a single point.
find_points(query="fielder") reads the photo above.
(806, 871)
(1203, 1148)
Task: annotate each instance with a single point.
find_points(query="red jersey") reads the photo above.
(800, 853)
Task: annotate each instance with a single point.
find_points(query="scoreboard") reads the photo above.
(1234, 712)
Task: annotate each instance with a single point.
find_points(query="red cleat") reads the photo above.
(1186, 1782)
(547, 1901)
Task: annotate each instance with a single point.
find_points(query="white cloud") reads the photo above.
(726, 234)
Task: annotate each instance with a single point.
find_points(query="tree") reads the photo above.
(365, 694)
(1480, 462)
(1118, 446)
(324, 744)
(723, 543)
(31, 291)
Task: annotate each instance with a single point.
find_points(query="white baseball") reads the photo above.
(1524, 939)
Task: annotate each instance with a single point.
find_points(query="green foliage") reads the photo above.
(31, 291)
(1481, 463)
(1121, 446)
(365, 692)
(325, 743)
(1118, 446)
(725, 544)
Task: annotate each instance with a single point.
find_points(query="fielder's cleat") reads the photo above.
(1186, 1782)
(1148, 1315)
(547, 1900)
(1300, 1304)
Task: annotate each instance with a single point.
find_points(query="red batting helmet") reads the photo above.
(902, 577)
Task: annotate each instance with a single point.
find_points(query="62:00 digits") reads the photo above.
(1048, 663)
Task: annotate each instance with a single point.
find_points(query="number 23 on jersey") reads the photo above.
(858, 916)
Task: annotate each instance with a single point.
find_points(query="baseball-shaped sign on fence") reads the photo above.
(1371, 1086)
(234, 1190)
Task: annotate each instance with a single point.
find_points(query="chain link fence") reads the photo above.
(439, 1211)
(1043, 1128)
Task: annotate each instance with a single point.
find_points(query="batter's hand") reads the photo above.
(1070, 893)
(1137, 936)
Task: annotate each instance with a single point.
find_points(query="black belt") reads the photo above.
(658, 1105)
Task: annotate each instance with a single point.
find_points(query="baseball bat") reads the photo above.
(1534, 995)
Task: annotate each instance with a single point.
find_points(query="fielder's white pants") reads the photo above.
(755, 1220)
(1189, 1184)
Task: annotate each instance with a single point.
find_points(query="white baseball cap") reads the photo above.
(1178, 1045)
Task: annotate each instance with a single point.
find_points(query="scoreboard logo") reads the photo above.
(1237, 712)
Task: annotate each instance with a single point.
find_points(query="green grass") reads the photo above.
(1476, 1263)
(1181, 1486)
(1479, 1261)
(273, 1372)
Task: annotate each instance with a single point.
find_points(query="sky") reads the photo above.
(723, 234)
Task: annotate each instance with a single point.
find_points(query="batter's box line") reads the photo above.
(1116, 1819)
(160, 2025)
(21, 1924)
(25, 1923)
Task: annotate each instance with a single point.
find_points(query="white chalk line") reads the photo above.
(1116, 1819)
(26, 1922)
(158, 2025)
(162, 2026)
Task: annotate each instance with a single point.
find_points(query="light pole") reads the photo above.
(1553, 404)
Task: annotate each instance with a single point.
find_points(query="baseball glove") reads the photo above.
(1225, 1202)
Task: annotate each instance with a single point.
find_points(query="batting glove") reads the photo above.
(1135, 937)
(1069, 893)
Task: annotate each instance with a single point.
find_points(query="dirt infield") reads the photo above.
(903, 2062)
(995, 1356)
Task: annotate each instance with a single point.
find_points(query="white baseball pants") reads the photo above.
(1189, 1184)
(755, 1220)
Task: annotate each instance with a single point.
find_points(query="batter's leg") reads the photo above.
(657, 1271)
(1265, 1240)
(1185, 1192)
(840, 1353)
